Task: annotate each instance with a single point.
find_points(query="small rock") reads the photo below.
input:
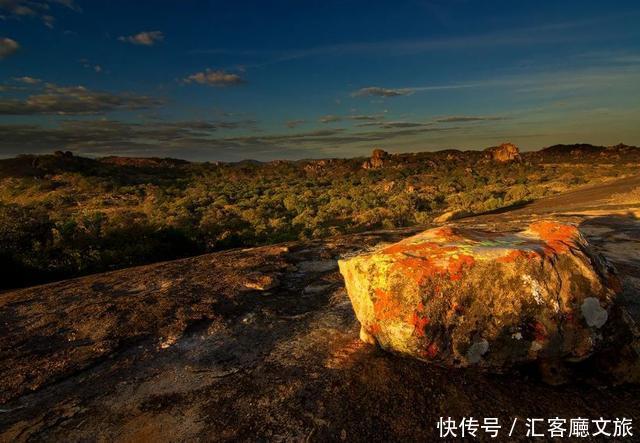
(168, 341)
(261, 282)
(451, 215)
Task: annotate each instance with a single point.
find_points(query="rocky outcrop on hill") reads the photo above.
(465, 297)
(377, 160)
(506, 152)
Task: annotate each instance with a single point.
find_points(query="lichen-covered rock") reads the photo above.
(461, 297)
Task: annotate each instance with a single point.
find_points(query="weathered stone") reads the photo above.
(461, 297)
(506, 152)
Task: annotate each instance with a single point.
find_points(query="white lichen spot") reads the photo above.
(477, 350)
(536, 290)
(594, 314)
(517, 336)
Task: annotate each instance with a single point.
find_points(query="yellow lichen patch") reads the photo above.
(398, 335)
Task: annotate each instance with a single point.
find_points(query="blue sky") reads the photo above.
(208, 80)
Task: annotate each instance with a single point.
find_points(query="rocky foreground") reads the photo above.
(263, 343)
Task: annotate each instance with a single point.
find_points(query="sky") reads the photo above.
(227, 81)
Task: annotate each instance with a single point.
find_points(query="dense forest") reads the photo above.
(63, 215)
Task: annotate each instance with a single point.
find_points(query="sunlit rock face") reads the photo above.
(506, 152)
(377, 160)
(470, 298)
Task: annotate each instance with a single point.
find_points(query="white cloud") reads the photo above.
(145, 38)
(382, 92)
(330, 119)
(468, 118)
(51, 99)
(218, 78)
(294, 123)
(35, 9)
(8, 47)
(27, 80)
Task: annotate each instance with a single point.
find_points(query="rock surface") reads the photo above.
(461, 297)
(451, 215)
(185, 351)
(506, 152)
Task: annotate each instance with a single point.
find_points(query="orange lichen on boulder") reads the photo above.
(418, 269)
(458, 264)
(419, 321)
(559, 237)
(464, 297)
(518, 254)
(384, 306)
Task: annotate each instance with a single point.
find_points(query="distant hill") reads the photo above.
(144, 162)
(567, 149)
(585, 148)
(38, 165)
